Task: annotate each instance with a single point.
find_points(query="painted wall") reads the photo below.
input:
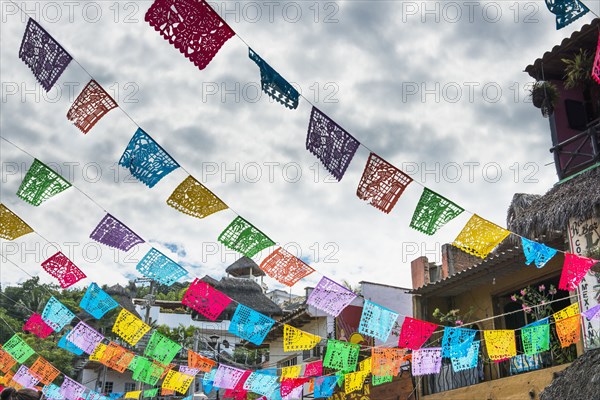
(90, 379)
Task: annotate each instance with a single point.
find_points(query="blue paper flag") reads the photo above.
(208, 381)
(52, 392)
(324, 386)
(146, 160)
(97, 302)
(116, 395)
(456, 342)
(250, 325)
(155, 265)
(273, 84)
(56, 314)
(377, 321)
(536, 252)
(468, 361)
(63, 343)
(261, 383)
(566, 11)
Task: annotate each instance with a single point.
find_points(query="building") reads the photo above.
(283, 298)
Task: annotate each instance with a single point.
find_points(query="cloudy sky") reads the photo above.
(436, 88)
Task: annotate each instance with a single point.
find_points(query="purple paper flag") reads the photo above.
(427, 361)
(43, 55)
(71, 390)
(592, 313)
(85, 337)
(227, 377)
(330, 143)
(24, 378)
(330, 297)
(112, 232)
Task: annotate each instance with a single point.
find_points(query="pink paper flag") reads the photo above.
(574, 269)
(63, 269)
(36, 325)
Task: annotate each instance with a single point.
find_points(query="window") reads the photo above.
(288, 363)
(130, 386)
(108, 387)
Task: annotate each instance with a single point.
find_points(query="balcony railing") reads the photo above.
(578, 152)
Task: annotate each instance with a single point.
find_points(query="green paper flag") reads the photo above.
(147, 371)
(535, 339)
(161, 348)
(150, 393)
(243, 237)
(40, 184)
(18, 349)
(433, 211)
(342, 356)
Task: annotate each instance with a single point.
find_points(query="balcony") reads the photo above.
(578, 152)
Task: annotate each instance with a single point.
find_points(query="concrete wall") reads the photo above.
(90, 379)
(525, 386)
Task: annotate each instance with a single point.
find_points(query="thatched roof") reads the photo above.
(246, 292)
(548, 215)
(123, 297)
(243, 266)
(578, 381)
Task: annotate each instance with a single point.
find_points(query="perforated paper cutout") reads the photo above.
(24, 378)
(44, 56)
(574, 269)
(147, 371)
(85, 337)
(284, 267)
(177, 381)
(112, 232)
(41, 183)
(377, 321)
(314, 368)
(161, 348)
(324, 386)
(63, 269)
(133, 395)
(200, 362)
(263, 384)
(193, 198)
(227, 377)
(354, 381)
(414, 333)
(92, 395)
(330, 143)
(18, 349)
(330, 297)
(292, 371)
(469, 360)
(535, 338)
(36, 325)
(97, 302)
(52, 391)
(155, 265)
(592, 313)
(44, 371)
(380, 380)
(184, 369)
(98, 352)
(6, 361)
(500, 344)
(192, 26)
(566, 312)
(295, 339)
(208, 381)
(386, 361)
(426, 361)
(273, 84)
(129, 327)
(568, 330)
(289, 384)
(11, 226)
(536, 253)
(457, 341)
(150, 393)
(71, 390)
(63, 343)
(479, 237)
(566, 11)
(250, 325)
(382, 184)
(92, 104)
(205, 299)
(146, 160)
(116, 357)
(433, 212)
(56, 314)
(342, 356)
(244, 238)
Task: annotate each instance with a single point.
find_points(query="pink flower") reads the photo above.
(542, 288)
(513, 297)
(458, 322)
(552, 291)
(523, 291)
(527, 309)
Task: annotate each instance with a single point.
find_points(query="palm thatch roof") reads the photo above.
(123, 297)
(243, 266)
(246, 292)
(578, 381)
(548, 215)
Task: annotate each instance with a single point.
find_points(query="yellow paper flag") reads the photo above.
(291, 372)
(294, 339)
(193, 198)
(365, 365)
(500, 344)
(480, 236)
(354, 381)
(98, 352)
(129, 327)
(11, 226)
(133, 395)
(177, 381)
(566, 312)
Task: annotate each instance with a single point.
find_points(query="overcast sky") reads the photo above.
(436, 88)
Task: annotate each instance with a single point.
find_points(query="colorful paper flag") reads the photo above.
(250, 325)
(386, 361)
(330, 297)
(289, 385)
(354, 381)
(469, 360)
(18, 349)
(147, 371)
(330, 143)
(457, 341)
(98, 352)
(146, 160)
(63, 269)
(63, 343)
(155, 265)
(200, 362)
(294, 339)
(71, 390)
(6, 361)
(535, 338)
(161, 348)
(596, 65)
(293, 371)
(184, 369)
(414, 333)
(261, 383)
(244, 238)
(227, 377)
(500, 344)
(324, 386)
(97, 302)
(85, 337)
(112, 232)
(273, 84)
(380, 380)
(193, 198)
(56, 314)
(36, 325)
(566, 11)
(41, 183)
(133, 395)
(92, 104)
(52, 391)
(24, 378)
(177, 381)
(574, 269)
(568, 330)
(377, 321)
(536, 253)
(592, 313)
(433, 212)
(314, 368)
(426, 361)
(11, 226)
(479, 237)
(129, 327)
(44, 56)
(208, 381)
(150, 393)
(342, 356)
(203, 298)
(44, 371)
(284, 267)
(116, 357)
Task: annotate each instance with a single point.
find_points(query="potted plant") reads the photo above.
(578, 75)
(544, 95)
